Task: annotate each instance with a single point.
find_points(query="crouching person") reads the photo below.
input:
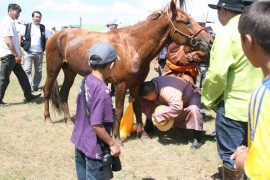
(94, 116)
(182, 103)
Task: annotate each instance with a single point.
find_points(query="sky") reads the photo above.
(127, 12)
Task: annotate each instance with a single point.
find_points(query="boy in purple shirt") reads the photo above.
(90, 135)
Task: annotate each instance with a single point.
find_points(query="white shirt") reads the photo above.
(8, 28)
(35, 37)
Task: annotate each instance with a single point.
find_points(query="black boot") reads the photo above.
(32, 97)
(148, 127)
(198, 139)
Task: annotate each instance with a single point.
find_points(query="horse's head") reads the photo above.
(185, 30)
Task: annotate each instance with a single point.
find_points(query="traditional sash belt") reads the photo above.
(192, 69)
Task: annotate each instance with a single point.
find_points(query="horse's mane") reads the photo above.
(150, 19)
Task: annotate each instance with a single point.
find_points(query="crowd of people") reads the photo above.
(233, 80)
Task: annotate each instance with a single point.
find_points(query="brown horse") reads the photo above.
(136, 45)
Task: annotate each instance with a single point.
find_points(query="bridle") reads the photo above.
(193, 42)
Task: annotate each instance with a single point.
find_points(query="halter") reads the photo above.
(193, 42)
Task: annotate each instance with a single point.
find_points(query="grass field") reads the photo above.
(31, 149)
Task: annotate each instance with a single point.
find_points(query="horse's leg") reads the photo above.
(64, 92)
(52, 73)
(134, 92)
(120, 91)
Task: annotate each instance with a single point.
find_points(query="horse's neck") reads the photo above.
(149, 38)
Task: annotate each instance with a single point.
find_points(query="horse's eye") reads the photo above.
(187, 23)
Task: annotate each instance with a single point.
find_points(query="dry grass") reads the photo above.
(30, 149)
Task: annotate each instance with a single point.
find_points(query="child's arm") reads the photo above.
(102, 134)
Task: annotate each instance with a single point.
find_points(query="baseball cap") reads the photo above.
(105, 51)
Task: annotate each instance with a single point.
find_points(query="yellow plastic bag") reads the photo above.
(126, 125)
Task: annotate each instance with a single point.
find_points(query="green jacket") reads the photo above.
(230, 77)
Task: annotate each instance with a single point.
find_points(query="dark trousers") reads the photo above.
(230, 134)
(7, 66)
(87, 168)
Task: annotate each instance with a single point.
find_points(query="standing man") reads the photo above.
(229, 81)
(35, 36)
(10, 55)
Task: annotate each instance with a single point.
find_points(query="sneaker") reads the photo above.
(32, 97)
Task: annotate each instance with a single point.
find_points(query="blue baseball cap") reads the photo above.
(105, 51)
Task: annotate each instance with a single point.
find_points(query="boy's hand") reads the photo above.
(239, 156)
(239, 150)
(115, 150)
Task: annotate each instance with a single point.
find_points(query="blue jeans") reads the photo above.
(87, 168)
(230, 134)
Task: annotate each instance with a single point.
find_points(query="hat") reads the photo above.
(234, 5)
(164, 125)
(105, 51)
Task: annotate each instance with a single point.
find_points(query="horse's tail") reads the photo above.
(55, 98)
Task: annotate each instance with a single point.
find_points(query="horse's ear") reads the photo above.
(182, 4)
(173, 9)
(154, 16)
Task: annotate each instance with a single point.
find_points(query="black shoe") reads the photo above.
(198, 139)
(32, 97)
(196, 144)
(148, 127)
(35, 89)
(2, 103)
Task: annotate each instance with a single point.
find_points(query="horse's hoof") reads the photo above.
(48, 121)
(69, 122)
(144, 135)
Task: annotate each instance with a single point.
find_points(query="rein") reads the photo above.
(193, 42)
